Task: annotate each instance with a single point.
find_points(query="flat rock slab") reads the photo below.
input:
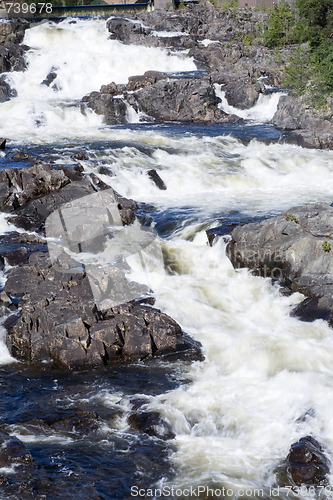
(59, 322)
(307, 463)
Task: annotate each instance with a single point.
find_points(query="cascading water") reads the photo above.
(240, 409)
(83, 58)
(263, 110)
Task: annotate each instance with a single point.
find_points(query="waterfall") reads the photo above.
(263, 110)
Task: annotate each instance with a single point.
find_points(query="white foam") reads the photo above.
(83, 58)
(262, 112)
(168, 34)
(216, 174)
(207, 42)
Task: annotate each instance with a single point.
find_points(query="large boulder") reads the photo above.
(303, 124)
(161, 98)
(241, 95)
(105, 103)
(307, 464)
(59, 321)
(296, 248)
(69, 312)
(186, 100)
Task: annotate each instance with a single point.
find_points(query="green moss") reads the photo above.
(326, 246)
(291, 218)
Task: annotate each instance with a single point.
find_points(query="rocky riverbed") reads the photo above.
(52, 318)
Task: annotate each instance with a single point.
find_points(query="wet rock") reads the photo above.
(152, 424)
(105, 171)
(295, 248)
(82, 422)
(18, 187)
(185, 100)
(6, 92)
(58, 318)
(307, 463)
(49, 79)
(80, 156)
(315, 308)
(13, 31)
(137, 402)
(15, 455)
(103, 103)
(32, 194)
(241, 95)
(21, 156)
(154, 176)
(140, 81)
(59, 322)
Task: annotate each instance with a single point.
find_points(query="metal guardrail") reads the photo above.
(41, 10)
(44, 9)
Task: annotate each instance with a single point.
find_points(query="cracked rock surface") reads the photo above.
(53, 310)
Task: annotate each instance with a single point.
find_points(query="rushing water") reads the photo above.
(235, 414)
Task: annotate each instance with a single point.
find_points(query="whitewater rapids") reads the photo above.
(264, 370)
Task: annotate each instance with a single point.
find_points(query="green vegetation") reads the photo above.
(310, 23)
(280, 30)
(291, 217)
(326, 246)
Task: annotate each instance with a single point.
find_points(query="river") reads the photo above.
(267, 377)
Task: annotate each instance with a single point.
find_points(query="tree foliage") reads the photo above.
(311, 23)
(280, 26)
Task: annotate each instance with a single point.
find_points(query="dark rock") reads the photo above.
(137, 402)
(2, 144)
(156, 179)
(241, 95)
(113, 109)
(44, 189)
(140, 81)
(105, 171)
(49, 79)
(13, 31)
(80, 156)
(82, 422)
(58, 322)
(21, 156)
(315, 308)
(15, 57)
(185, 100)
(307, 463)
(18, 187)
(13, 451)
(6, 92)
(152, 424)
